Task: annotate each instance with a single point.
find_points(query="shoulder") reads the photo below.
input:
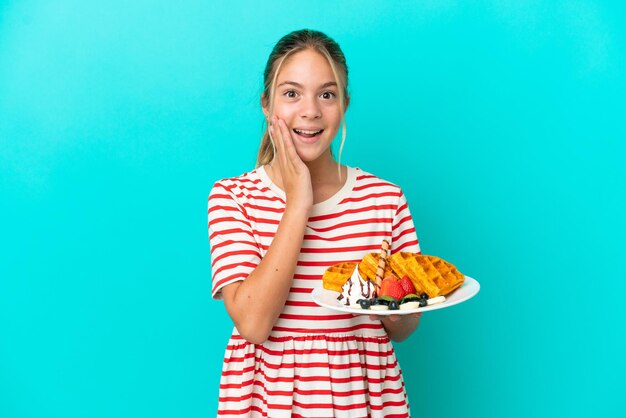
(242, 181)
(368, 181)
(236, 192)
(237, 186)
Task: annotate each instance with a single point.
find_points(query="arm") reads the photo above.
(255, 303)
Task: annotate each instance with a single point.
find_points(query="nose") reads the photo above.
(310, 108)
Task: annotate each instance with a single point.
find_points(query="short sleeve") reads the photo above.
(403, 235)
(234, 250)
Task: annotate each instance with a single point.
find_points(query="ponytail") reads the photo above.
(266, 150)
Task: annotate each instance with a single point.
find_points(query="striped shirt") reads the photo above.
(316, 362)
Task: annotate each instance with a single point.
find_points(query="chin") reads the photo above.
(310, 154)
(308, 158)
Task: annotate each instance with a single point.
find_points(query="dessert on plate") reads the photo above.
(403, 280)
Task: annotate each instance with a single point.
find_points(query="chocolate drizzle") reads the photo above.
(348, 293)
(365, 293)
(367, 289)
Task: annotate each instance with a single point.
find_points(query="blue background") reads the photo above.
(503, 121)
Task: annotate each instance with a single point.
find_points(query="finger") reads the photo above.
(290, 148)
(275, 134)
(284, 130)
(276, 137)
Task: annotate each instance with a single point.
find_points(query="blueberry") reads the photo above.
(365, 304)
(423, 303)
(393, 305)
(386, 298)
(379, 301)
(424, 295)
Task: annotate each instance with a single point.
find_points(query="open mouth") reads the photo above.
(307, 133)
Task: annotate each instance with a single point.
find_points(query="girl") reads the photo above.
(274, 231)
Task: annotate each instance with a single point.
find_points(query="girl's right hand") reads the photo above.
(295, 174)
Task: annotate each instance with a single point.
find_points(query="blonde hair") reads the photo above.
(289, 44)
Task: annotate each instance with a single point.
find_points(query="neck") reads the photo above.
(323, 172)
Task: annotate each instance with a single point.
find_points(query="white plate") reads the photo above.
(328, 299)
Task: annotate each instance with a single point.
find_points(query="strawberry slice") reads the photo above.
(385, 284)
(391, 286)
(407, 285)
(396, 291)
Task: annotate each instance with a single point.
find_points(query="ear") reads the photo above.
(347, 103)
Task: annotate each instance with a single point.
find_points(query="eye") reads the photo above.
(328, 95)
(290, 94)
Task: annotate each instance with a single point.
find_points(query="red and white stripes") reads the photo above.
(317, 362)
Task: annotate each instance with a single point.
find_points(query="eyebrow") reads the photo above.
(293, 83)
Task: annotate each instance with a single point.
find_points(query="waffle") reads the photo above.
(428, 273)
(337, 275)
(369, 265)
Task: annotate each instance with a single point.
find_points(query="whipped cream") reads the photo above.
(356, 288)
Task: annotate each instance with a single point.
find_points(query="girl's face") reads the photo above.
(307, 98)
